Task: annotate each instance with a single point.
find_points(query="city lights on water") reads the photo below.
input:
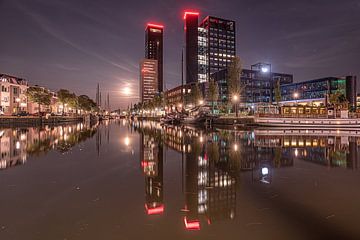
(236, 147)
(127, 141)
(264, 171)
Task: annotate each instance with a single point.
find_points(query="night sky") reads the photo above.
(75, 44)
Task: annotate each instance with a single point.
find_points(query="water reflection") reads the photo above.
(17, 144)
(212, 162)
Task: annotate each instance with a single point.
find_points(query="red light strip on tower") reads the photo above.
(192, 225)
(156, 210)
(190, 13)
(155, 25)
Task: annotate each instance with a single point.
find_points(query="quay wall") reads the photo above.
(10, 121)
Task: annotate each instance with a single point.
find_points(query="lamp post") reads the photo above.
(17, 100)
(296, 96)
(235, 99)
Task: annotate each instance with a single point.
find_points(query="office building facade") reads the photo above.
(210, 46)
(217, 46)
(317, 91)
(148, 79)
(154, 35)
(257, 84)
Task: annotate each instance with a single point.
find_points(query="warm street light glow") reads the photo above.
(180, 105)
(235, 98)
(296, 95)
(201, 102)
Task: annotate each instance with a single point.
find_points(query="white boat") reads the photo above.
(309, 123)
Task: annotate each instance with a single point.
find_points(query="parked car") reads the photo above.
(38, 114)
(21, 114)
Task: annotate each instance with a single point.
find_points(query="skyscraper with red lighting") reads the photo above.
(210, 46)
(191, 43)
(154, 49)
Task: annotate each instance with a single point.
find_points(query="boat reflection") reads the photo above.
(214, 160)
(17, 144)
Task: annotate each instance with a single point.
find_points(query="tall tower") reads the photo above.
(191, 43)
(154, 49)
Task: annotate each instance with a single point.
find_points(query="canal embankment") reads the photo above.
(26, 121)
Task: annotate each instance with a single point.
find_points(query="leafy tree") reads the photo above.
(338, 100)
(85, 103)
(73, 101)
(234, 73)
(158, 100)
(195, 94)
(39, 95)
(277, 92)
(64, 97)
(213, 93)
(234, 85)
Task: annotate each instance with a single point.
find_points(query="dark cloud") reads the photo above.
(77, 43)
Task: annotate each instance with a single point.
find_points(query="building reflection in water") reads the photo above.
(151, 160)
(17, 144)
(213, 162)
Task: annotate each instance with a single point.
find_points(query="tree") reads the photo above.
(195, 94)
(85, 103)
(64, 97)
(39, 95)
(338, 100)
(234, 73)
(73, 101)
(158, 100)
(234, 86)
(213, 93)
(277, 92)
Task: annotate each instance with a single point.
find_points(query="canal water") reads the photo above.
(141, 180)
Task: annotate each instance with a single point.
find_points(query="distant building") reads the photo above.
(12, 94)
(210, 46)
(316, 92)
(148, 79)
(174, 96)
(258, 83)
(154, 49)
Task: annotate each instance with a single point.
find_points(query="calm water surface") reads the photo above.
(139, 180)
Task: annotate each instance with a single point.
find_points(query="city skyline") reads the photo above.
(93, 43)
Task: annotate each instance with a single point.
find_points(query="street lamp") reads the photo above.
(201, 102)
(17, 100)
(235, 99)
(296, 96)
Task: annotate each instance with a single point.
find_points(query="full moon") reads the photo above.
(126, 91)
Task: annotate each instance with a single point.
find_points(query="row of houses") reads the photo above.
(13, 99)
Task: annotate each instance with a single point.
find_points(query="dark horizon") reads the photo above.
(77, 44)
